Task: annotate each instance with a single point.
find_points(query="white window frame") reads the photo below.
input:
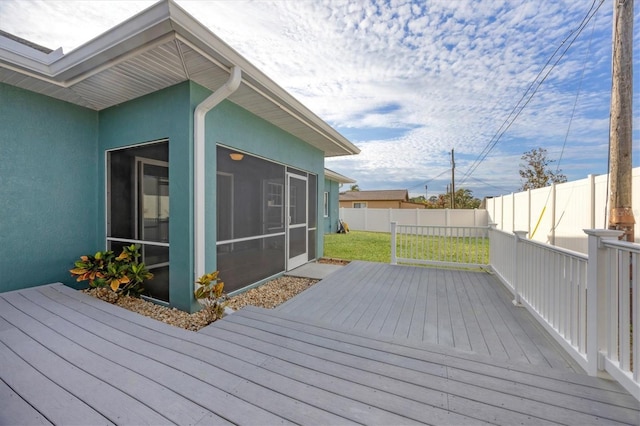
(359, 205)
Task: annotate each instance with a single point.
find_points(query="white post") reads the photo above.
(517, 235)
(592, 201)
(394, 260)
(596, 296)
(553, 214)
(513, 212)
(366, 221)
(529, 211)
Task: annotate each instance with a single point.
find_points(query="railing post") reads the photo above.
(394, 226)
(596, 296)
(517, 235)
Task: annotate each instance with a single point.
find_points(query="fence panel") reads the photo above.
(559, 217)
(378, 220)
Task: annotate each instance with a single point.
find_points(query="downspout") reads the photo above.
(199, 115)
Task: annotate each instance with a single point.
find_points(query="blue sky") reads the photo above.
(408, 81)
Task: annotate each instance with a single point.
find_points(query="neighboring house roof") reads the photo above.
(337, 177)
(157, 48)
(383, 195)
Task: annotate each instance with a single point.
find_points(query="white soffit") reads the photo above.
(160, 47)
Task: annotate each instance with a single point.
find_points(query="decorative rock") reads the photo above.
(268, 295)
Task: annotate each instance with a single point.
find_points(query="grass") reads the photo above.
(359, 245)
(376, 247)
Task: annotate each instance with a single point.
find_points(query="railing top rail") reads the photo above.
(546, 246)
(632, 247)
(500, 231)
(556, 249)
(441, 226)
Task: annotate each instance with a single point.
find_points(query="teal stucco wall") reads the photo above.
(232, 126)
(331, 221)
(165, 114)
(53, 177)
(48, 164)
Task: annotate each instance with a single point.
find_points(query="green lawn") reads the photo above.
(376, 247)
(359, 245)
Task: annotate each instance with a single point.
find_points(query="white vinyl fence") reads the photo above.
(558, 214)
(589, 303)
(378, 220)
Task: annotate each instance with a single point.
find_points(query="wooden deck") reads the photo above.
(467, 310)
(67, 358)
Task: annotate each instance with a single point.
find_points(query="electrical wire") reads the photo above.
(520, 105)
(433, 178)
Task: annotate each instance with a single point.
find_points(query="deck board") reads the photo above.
(370, 344)
(548, 394)
(468, 310)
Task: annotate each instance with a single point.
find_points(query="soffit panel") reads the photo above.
(151, 71)
(44, 88)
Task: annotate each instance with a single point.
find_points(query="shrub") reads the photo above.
(123, 274)
(210, 295)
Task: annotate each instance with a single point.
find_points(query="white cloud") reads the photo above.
(452, 70)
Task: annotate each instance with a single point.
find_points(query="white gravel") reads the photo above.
(269, 295)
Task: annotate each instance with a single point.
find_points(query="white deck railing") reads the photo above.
(589, 303)
(464, 246)
(618, 305)
(550, 281)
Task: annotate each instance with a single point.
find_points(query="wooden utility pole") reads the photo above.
(620, 124)
(453, 181)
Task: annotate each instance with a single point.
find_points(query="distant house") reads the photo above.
(384, 199)
(332, 183)
(157, 133)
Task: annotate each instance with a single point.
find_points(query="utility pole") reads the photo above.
(620, 120)
(453, 181)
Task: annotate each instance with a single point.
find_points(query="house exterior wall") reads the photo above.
(53, 168)
(163, 114)
(331, 221)
(48, 163)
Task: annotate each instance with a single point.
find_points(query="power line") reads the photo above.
(491, 185)
(531, 91)
(433, 178)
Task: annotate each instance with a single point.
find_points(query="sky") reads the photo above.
(409, 81)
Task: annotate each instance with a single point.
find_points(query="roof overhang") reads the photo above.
(157, 48)
(337, 177)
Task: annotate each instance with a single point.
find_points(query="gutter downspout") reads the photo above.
(223, 92)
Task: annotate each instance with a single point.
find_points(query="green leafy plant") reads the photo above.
(123, 274)
(210, 295)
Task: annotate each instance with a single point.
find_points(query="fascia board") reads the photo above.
(146, 26)
(337, 177)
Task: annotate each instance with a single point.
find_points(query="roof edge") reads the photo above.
(337, 177)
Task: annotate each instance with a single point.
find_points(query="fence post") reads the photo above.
(596, 296)
(517, 235)
(394, 260)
